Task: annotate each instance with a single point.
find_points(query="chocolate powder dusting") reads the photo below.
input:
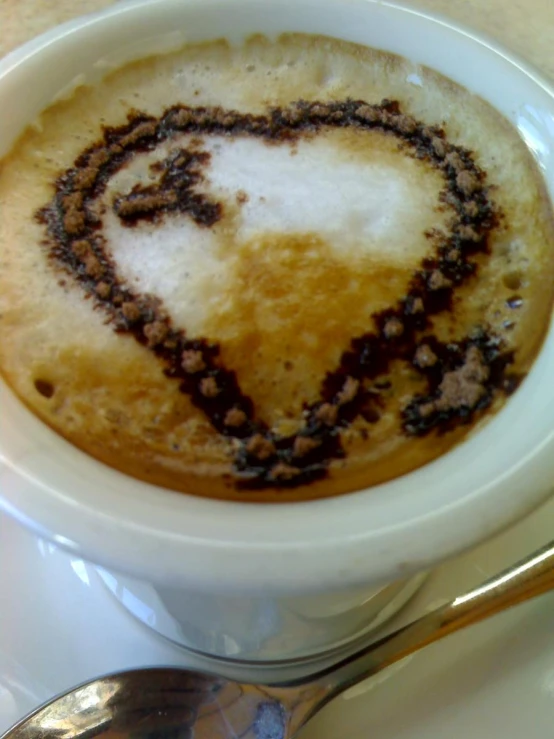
(209, 388)
(471, 209)
(468, 233)
(439, 147)
(439, 281)
(284, 472)
(93, 266)
(261, 447)
(235, 417)
(425, 356)
(327, 414)
(130, 311)
(192, 361)
(81, 248)
(349, 391)
(181, 173)
(416, 306)
(103, 290)
(467, 182)
(74, 221)
(155, 333)
(303, 445)
(393, 328)
(85, 178)
(463, 387)
(455, 161)
(462, 378)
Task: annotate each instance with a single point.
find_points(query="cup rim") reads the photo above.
(381, 534)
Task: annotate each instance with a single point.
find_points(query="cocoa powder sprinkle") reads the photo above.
(437, 281)
(93, 266)
(81, 249)
(349, 391)
(103, 290)
(327, 414)
(75, 242)
(303, 445)
(209, 387)
(393, 328)
(155, 333)
(467, 182)
(284, 472)
(261, 447)
(468, 233)
(192, 361)
(74, 221)
(235, 417)
(130, 311)
(425, 356)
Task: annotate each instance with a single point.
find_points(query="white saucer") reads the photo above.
(59, 626)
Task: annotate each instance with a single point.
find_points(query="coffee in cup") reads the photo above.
(277, 271)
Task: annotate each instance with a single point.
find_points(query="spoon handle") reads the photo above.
(523, 581)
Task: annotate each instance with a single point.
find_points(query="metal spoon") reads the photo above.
(185, 704)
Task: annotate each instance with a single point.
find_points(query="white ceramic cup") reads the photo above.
(273, 582)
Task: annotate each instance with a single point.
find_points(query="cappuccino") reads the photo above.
(278, 271)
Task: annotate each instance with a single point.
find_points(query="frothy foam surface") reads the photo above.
(358, 192)
(338, 299)
(314, 187)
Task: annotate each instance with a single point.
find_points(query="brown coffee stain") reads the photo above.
(291, 306)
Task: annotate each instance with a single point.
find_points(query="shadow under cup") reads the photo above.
(264, 582)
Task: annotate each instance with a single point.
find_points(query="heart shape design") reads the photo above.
(461, 376)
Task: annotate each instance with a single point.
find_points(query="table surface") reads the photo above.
(523, 25)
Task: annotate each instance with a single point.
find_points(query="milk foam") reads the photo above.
(373, 204)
